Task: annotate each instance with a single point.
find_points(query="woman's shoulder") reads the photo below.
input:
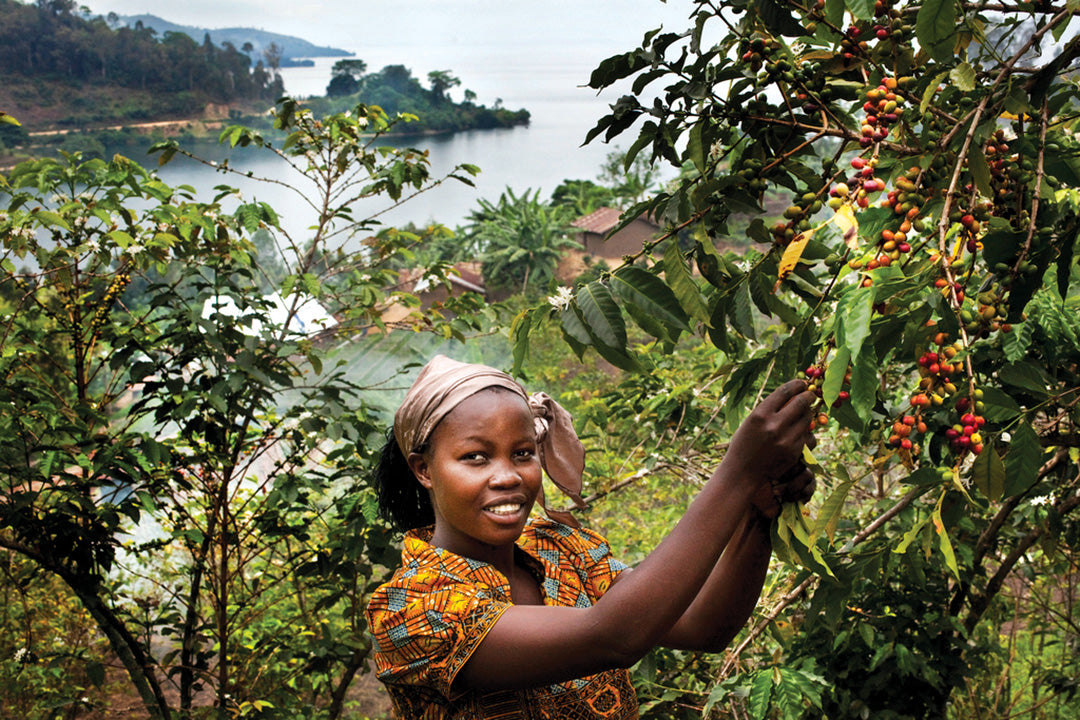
(543, 532)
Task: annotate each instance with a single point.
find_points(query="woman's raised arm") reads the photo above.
(536, 645)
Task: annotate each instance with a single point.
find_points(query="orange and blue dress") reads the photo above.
(437, 608)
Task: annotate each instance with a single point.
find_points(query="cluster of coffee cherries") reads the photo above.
(120, 281)
(1009, 175)
(966, 436)
(797, 218)
(758, 51)
(937, 370)
(883, 108)
(948, 291)
(815, 375)
(989, 313)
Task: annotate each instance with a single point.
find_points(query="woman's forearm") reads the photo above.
(728, 597)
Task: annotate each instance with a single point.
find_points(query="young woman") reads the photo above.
(494, 614)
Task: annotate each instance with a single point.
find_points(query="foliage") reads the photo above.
(189, 459)
(582, 197)
(396, 91)
(519, 240)
(51, 661)
(38, 42)
(922, 277)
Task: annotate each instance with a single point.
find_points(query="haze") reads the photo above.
(566, 26)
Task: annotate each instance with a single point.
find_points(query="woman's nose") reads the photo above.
(505, 474)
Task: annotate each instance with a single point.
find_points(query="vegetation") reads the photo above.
(921, 273)
(51, 56)
(181, 454)
(395, 90)
(923, 277)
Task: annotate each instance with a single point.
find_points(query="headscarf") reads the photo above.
(444, 383)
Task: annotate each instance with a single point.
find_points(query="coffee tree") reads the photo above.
(907, 175)
(178, 450)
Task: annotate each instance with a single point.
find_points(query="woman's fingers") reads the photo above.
(797, 485)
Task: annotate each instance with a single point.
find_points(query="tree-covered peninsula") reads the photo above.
(66, 70)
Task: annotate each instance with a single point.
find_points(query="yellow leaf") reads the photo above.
(849, 225)
(791, 257)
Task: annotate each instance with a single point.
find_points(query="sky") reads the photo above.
(569, 25)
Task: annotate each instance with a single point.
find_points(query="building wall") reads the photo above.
(625, 242)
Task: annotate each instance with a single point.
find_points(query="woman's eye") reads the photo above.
(526, 454)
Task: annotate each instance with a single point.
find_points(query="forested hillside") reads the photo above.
(62, 66)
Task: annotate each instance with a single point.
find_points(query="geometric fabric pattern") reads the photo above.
(427, 620)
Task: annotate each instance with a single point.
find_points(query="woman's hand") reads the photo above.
(767, 448)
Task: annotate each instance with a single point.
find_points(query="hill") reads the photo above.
(291, 48)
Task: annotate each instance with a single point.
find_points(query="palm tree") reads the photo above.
(519, 239)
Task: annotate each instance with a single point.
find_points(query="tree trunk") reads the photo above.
(131, 654)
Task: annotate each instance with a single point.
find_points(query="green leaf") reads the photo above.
(695, 149)
(861, 9)
(1022, 460)
(682, 284)
(760, 694)
(988, 473)
(51, 219)
(834, 376)
(778, 18)
(640, 288)
(935, 29)
(1026, 376)
(999, 406)
(830, 511)
(1016, 343)
(601, 315)
(931, 90)
(963, 77)
(944, 544)
(854, 312)
(980, 170)
(95, 672)
(865, 379)
(909, 537)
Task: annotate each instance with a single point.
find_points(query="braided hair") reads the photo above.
(403, 501)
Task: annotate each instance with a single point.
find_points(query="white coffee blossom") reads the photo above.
(561, 300)
(85, 197)
(93, 245)
(58, 199)
(79, 221)
(135, 249)
(163, 227)
(1041, 500)
(21, 655)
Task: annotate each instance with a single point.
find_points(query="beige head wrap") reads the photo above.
(444, 383)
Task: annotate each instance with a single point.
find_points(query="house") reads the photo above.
(595, 228)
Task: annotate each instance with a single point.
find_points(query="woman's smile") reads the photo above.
(483, 474)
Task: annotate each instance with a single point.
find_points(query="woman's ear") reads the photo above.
(419, 466)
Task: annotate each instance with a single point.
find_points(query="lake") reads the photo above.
(550, 85)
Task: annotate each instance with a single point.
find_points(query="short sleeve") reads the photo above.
(425, 631)
(588, 552)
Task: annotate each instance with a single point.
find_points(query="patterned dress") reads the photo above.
(430, 617)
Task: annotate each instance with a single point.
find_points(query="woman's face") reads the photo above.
(483, 473)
